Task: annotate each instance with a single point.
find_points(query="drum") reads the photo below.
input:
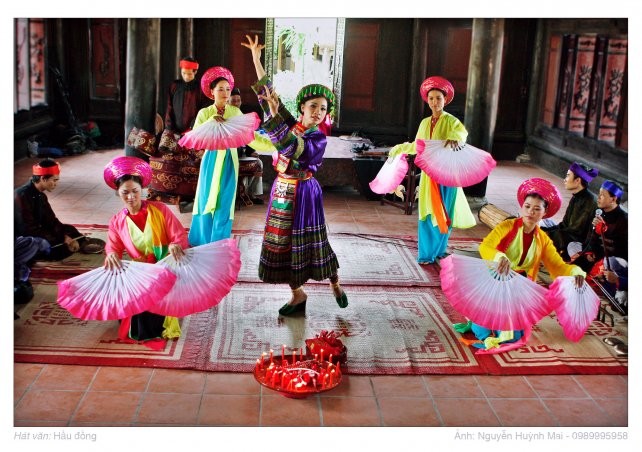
(250, 166)
(176, 174)
(492, 215)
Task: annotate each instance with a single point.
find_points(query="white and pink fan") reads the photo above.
(462, 167)
(231, 133)
(575, 307)
(101, 294)
(205, 275)
(390, 175)
(499, 302)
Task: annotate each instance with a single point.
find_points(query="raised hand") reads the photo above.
(255, 48)
(272, 98)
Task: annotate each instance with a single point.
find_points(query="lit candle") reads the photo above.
(293, 356)
(338, 366)
(330, 358)
(321, 355)
(258, 365)
(331, 377)
(271, 356)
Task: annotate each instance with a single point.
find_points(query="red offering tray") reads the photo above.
(296, 378)
(328, 346)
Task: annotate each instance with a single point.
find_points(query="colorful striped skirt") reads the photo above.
(295, 242)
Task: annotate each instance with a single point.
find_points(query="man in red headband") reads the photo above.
(33, 215)
(184, 99)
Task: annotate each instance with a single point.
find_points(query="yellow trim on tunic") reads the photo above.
(447, 128)
(260, 143)
(542, 250)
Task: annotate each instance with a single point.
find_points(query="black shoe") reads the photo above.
(257, 200)
(621, 349)
(289, 309)
(342, 300)
(612, 341)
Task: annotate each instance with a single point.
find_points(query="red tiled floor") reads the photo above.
(464, 412)
(441, 386)
(229, 410)
(55, 395)
(231, 384)
(114, 379)
(522, 412)
(508, 387)
(576, 413)
(170, 408)
(616, 410)
(352, 386)
(394, 385)
(108, 407)
(350, 412)
(65, 377)
(408, 412)
(604, 386)
(564, 386)
(277, 410)
(177, 381)
(47, 405)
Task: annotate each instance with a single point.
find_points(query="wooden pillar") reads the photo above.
(143, 61)
(482, 97)
(184, 40)
(419, 63)
(537, 82)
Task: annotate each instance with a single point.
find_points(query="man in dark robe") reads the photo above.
(34, 217)
(184, 99)
(580, 212)
(609, 236)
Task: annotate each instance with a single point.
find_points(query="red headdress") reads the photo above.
(121, 166)
(46, 170)
(545, 189)
(440, 83)
(212, 74)
(186, 64)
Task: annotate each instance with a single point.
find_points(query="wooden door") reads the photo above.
(240, 59)
(510, 133)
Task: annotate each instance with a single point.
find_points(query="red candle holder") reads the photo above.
(294, 378)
